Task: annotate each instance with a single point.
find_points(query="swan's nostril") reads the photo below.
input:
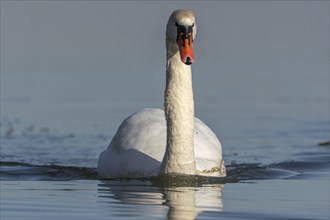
(188, 61)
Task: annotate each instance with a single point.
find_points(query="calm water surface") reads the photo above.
(263, 88)
(45, 176)
(93, 199)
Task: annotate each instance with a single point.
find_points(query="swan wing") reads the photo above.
(208, 151)
(138, 147)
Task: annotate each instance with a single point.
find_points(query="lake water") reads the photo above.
(65, 88)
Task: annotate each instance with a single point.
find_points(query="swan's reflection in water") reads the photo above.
(186, 203)
(142, 199)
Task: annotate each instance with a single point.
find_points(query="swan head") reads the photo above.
(181, 28)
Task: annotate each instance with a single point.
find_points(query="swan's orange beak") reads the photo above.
(185, 44)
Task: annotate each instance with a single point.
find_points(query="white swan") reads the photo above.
(153, 142)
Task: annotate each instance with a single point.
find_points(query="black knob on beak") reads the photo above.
(188, 61)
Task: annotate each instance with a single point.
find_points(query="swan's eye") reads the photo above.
(176, 24)
(184, 33)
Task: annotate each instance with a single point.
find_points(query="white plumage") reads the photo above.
(138, 148)
(153, 142)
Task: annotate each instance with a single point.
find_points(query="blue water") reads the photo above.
(261, 82)
(93, 199)
(270, 176)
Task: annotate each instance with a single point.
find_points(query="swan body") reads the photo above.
(138, 148)
(153, 142)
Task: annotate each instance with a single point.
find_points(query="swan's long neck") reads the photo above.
(179, 112)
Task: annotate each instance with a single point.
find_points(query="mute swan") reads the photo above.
(153, 142)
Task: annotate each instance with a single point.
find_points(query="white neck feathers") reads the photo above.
(179, 112)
